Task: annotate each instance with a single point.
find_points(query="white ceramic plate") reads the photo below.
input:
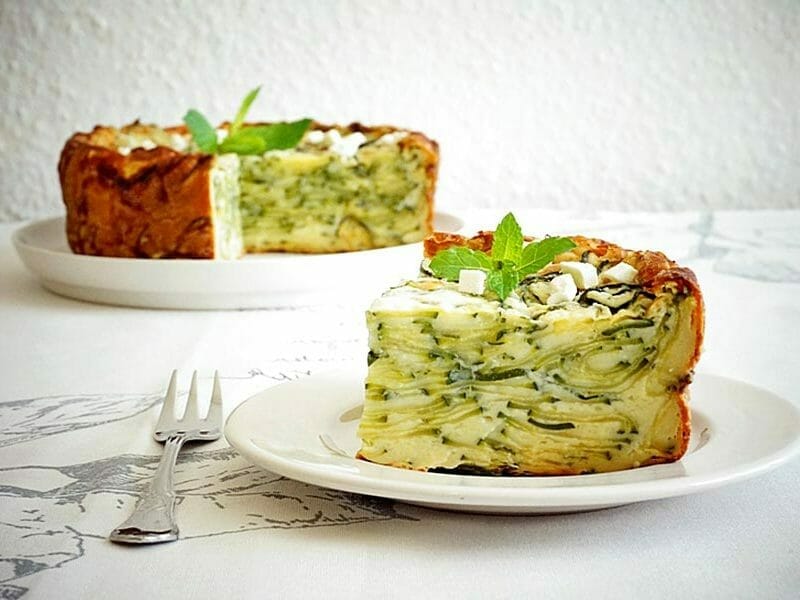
(255, 281)
(306, 430)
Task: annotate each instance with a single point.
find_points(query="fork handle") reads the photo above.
(153, 519)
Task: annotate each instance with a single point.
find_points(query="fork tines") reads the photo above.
(169, 423)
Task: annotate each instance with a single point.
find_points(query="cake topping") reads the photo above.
(471, 281)
(346, 146)
(244, 139)
(584, 274)
(620, 273)
(316, 137)
(562, 289)
(509, 261)
(391, 138)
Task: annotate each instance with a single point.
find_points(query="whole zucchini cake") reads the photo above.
(200, 192)
(563, 356)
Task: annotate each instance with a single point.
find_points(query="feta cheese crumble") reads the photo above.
(584, 274)
(619, 273)
(316, 136)
(391, 138)
(471, 281)
(562, 289)
(346, 146)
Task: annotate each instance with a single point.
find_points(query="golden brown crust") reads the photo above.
(157, 203)
(656, 273)
(148, 204)
(438, 241)
(430, 152)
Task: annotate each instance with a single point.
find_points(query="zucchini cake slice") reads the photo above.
(145, 191)
(583, 368)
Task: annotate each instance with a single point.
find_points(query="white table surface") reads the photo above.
(79, 384)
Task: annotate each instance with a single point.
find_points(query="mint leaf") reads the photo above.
(503, 281)
(204, 135)
(507, 244)
(244, 142)
(242, 113)
(281, 136)
(537, 255)
(260, 138)
(447, 264)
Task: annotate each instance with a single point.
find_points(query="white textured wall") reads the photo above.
(662, 105)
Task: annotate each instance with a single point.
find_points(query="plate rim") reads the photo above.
(17, 238)
(257, 281)
(517, 497)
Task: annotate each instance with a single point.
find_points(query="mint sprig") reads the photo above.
(447, 264)
(510, 260)
(539, 254)
(504, 280)
(203, 133)
(507, 243)
(254, 139)
(242, 112)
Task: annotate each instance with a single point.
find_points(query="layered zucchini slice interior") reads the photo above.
(313, 199)
(462, 382)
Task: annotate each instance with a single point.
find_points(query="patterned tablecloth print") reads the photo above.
(81, 387)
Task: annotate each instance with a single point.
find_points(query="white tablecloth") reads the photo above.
(78, 392)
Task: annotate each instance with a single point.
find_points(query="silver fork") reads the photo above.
(153, 519)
